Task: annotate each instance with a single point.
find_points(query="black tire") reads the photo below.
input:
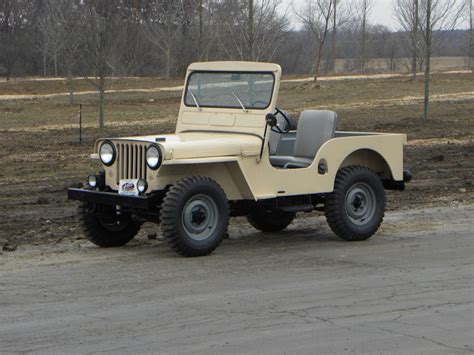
(270, 221)
(104, 228)
(356, 207)
(194, 216)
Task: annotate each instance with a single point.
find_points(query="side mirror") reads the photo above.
(271, 119)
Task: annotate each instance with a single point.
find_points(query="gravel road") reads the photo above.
(407, 290)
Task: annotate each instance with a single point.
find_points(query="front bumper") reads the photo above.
(114, 199)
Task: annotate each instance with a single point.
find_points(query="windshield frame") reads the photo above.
(237, 106)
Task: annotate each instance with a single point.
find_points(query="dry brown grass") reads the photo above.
(40, 155)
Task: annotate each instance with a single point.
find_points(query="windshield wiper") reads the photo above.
(195, 100)
(240, 102)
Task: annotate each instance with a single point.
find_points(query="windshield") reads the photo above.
(240, 90)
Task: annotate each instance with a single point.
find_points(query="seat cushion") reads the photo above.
(284, 161)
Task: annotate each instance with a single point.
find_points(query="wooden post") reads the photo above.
(80, 123)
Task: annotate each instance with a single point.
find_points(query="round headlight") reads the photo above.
(153, 157)
(92, 181)
(142, 185)
(107, 153)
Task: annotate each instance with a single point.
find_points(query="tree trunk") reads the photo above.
(9, 69)
(55, 58)
(428, 34)
(70, 87)
(318, 64)
(101, 103)
(334, 39)
(250, 32)
(414, 38)
(471, 35)
(200, 31)
(44, 63)
(364, 30)
(168, 62)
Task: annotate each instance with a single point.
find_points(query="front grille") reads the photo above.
(131, 161)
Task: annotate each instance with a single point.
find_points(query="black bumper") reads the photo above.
(113, 198)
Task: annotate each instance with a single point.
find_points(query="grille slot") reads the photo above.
(131, 162)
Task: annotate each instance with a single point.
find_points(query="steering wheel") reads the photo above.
(253, 104)
(277, 128)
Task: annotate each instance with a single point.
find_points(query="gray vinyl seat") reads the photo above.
(314, 129)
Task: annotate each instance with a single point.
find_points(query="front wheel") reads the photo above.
(356, 207)
(104, 227)
(194, 216)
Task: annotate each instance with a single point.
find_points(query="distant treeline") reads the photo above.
(161, 37)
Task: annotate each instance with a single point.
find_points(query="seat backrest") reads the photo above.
(314, 129)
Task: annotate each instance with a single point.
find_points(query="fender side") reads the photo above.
(227, 173)
(371, 159)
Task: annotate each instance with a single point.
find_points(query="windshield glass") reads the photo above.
(229, 90)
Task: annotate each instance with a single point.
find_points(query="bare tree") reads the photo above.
(334, 36)
(316, 16)
(206, 32)
(102, 32)
(364, 8)
(407, 14)
(470, 51)
(60, 27)
(250, 30)
(51, 34)
(13, 25)
(437, 18)
(163, 23)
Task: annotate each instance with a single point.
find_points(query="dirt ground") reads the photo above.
(40, 156)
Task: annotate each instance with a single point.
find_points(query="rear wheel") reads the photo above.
(194, 216)
(270, 221)
(104, 227)
(356, 207)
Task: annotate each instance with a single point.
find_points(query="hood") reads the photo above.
(188, 145)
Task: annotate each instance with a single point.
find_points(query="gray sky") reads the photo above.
(382, 12)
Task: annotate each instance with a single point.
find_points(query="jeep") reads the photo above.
(235, 153)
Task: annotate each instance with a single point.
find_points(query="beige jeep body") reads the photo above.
(232, 155)
(225, 144)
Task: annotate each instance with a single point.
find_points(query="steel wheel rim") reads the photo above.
(360, 203)
(199, 217)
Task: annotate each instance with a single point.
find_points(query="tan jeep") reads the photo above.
(234, 153)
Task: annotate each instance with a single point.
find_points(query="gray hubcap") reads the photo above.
(199, 217)
(360, 203)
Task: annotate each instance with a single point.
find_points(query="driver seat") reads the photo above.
(314, 129)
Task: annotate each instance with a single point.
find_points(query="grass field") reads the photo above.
(40, 156)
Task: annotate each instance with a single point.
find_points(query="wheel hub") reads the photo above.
(360, 203)
(200, 217)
